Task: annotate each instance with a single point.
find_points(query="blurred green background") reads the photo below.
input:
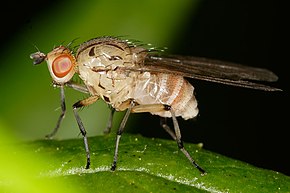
(244, 124)
(31, 103)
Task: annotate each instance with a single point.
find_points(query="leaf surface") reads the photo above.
(150, 165)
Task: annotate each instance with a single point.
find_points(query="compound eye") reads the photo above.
(62, 65)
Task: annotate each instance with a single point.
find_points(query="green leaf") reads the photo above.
(147, 165)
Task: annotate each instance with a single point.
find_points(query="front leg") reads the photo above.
(73, 85)
(76, 106)
(61, 116)
(78, 87)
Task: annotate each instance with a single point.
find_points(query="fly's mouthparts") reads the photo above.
(37, 57)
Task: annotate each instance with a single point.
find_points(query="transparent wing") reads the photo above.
(210, 70)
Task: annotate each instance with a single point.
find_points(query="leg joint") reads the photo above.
(167, 107)
(78, 105)
(180, 144)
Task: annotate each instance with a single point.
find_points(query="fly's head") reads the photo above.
(61, 63)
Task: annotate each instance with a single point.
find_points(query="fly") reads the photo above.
(132, 78)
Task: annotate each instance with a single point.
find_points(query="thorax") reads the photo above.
(100, 66)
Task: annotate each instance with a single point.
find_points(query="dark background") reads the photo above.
(245, 124)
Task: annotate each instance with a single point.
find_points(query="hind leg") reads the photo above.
(176, 135)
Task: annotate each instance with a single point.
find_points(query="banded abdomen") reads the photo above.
(156, 88)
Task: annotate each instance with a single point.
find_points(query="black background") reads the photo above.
(245, 124)
(241, 123)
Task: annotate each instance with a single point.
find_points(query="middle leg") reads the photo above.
(119, 133)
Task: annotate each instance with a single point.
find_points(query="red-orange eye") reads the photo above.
(61, 66)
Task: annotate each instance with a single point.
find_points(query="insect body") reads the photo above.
(130, 77)
(104, 66)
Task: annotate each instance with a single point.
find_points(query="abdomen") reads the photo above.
(166, 89)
